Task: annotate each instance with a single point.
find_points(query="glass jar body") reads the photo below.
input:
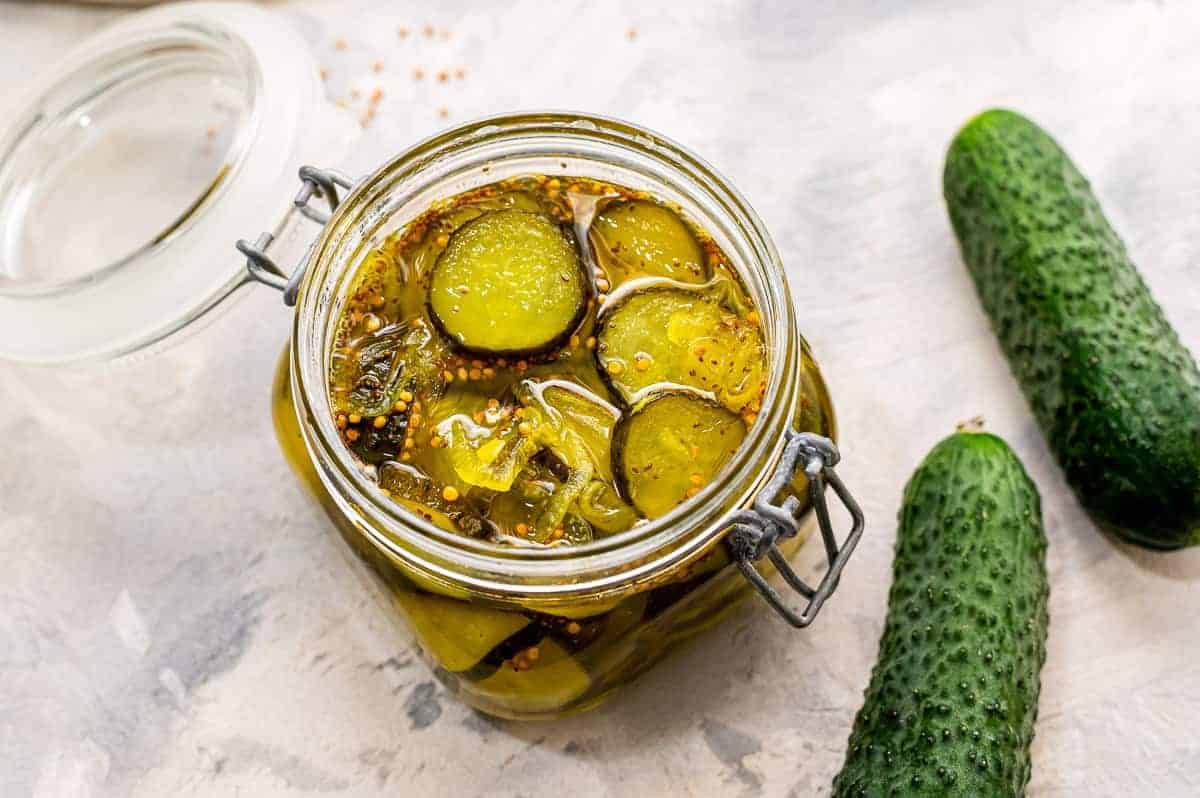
(479, 647)
(525, 632)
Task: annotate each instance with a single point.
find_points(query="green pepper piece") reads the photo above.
(601, 507)
(683, 337)
(573, 411)
(647, 239)
(510, 282)
(487, 456)
(380, 365)
(671, 444)
(577, 427)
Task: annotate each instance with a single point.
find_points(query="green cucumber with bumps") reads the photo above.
(1115, 391)
(951, 706)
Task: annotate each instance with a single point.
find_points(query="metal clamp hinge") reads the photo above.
(755, 532)
(260, 266)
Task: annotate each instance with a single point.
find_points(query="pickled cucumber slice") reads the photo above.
(574, 411)
(509, 282)
(670, 445)
(603, 509)
(681, 336)
(555, 681)
(456, 633)
(649, 240)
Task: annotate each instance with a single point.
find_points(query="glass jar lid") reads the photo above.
(129, 164)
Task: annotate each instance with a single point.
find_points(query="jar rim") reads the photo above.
(605, 563)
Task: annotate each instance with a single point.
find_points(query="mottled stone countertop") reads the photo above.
(176, 617)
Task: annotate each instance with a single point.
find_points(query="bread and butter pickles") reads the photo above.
(524, 360)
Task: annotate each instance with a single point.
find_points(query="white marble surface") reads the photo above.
(175, 616)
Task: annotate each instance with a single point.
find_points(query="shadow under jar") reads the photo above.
(530, 632)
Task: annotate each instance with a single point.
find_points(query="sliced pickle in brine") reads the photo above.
(487, 456)
(509, 282)
(551, 682)
(601, 507)
(664, 334)
(647, 240)
(574, 411)
(672, 444)
(576, 428)
(458, 634)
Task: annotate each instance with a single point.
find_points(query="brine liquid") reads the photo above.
(525, 449)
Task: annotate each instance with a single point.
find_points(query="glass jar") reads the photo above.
(534, 633)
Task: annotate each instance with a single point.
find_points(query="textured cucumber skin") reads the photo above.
(1115, 391)
(953, 697)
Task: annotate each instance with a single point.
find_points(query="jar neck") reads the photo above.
(483, 151)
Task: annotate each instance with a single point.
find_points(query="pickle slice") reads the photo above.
(603, 509)
(670, 445)
(509, 282)
(458, 634)
(647, 239)
(575, 412)
(685, 337)
(554, 681)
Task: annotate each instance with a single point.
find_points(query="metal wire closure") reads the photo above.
(314, 182)
(756, 531)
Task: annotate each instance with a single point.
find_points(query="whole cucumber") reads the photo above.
(951, 705)
(1115, 391)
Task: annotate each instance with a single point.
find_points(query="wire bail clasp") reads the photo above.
(756, 531)
(259, 265)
